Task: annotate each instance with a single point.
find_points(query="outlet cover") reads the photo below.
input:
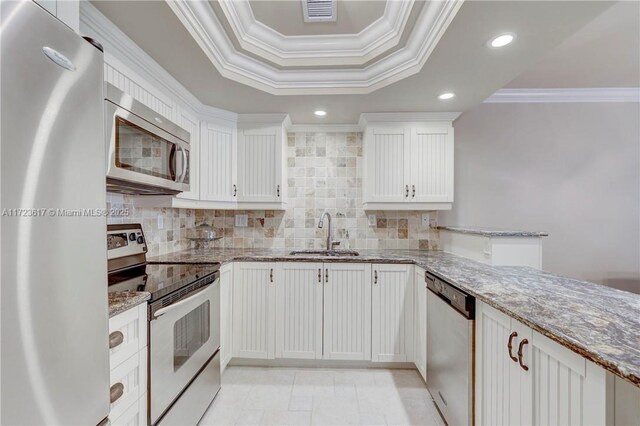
(242, 220)
(160, 221)
(425, 220)
(372, 220)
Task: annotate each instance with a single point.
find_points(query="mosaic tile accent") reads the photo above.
(324, 173)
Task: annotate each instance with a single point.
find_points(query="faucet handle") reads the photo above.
(335, 243)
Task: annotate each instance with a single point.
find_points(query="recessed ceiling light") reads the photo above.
(446, 95)
(320, 112)
(502, 40)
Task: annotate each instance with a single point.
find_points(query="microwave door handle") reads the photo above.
(173, 163)
(178, 173)
(185, 159)
(179, 302)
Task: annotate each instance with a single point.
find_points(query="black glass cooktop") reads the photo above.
(159, 279)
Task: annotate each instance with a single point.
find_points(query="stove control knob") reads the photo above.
(132, 237)
(140, 240)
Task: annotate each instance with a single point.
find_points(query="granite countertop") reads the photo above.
(600, 323)
(492, 232)
(125, 300)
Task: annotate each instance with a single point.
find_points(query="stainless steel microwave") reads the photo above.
(147, 154)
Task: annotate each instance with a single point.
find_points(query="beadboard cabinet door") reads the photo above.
(254, 310)
(392, 313)
(420, 324)
(431, 153)
(347, 311)
(299, 293)
(536, 381)
(226, 315)
(218, 159)
(387, 163)
(260, 165)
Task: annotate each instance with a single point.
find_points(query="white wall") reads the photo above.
(571, 169)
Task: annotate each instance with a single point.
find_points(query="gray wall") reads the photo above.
(570, 169)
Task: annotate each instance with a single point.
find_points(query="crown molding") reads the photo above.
(318, 50)
(598, 94)
(119, 48)
(367, 118)
(202, 23)
(325, 128)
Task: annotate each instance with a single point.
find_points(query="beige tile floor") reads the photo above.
(321, 396)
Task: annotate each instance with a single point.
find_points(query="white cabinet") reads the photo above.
(431, 167)
(420, 323)
(408, 166)
(226, 313)
(387, 158)
(218, 163)
(67, 11)
(260, 168)
(347, 311)
(392, 313)
(128, 366)
(523, 378)
(254, 310)
(299, 293)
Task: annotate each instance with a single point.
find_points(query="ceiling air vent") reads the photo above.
(319, 10)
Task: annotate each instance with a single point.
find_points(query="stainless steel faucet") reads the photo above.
(330, 243)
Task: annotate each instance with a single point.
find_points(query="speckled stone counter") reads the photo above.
(491, 232)
(600, 323)
(123, 301)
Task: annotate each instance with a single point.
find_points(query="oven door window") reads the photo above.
(190, 333)
(143, 152)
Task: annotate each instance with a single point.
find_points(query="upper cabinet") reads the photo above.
(408, 165)
(218, 163)
(261, 175)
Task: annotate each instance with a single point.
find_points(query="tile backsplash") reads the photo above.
(324, 173)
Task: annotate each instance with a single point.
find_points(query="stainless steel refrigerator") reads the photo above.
(54, 366)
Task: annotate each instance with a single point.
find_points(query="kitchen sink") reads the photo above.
(335, 253)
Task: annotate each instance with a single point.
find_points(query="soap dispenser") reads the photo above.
(347, 243)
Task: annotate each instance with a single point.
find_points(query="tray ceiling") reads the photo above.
(248, 51)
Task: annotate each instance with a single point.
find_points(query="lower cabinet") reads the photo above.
(299, 294)
(522, 377)
(347, 311)
(392, 313)
(420, 323)
(254, 310)
(226, 312)
(128, 366)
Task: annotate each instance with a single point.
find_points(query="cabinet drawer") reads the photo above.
(131, 379)
(135, 415)
(127, 334)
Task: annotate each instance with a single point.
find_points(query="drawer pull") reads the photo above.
(522, 343)
(115, 339)
(510, 346)
(116, 392)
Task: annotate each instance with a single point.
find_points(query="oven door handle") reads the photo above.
(186, 299)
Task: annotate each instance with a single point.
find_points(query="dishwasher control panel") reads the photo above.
(459, 300)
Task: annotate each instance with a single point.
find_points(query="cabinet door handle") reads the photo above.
(115, 339)
(522, 343)
(510, 346)
(115, 392)
(271, 275)
(326, 275)
(406, 191)
(413, 188)
(235, 190)
(278, 191)
(375, 277)
(320, 275)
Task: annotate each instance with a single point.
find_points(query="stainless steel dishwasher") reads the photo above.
(450, 347)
